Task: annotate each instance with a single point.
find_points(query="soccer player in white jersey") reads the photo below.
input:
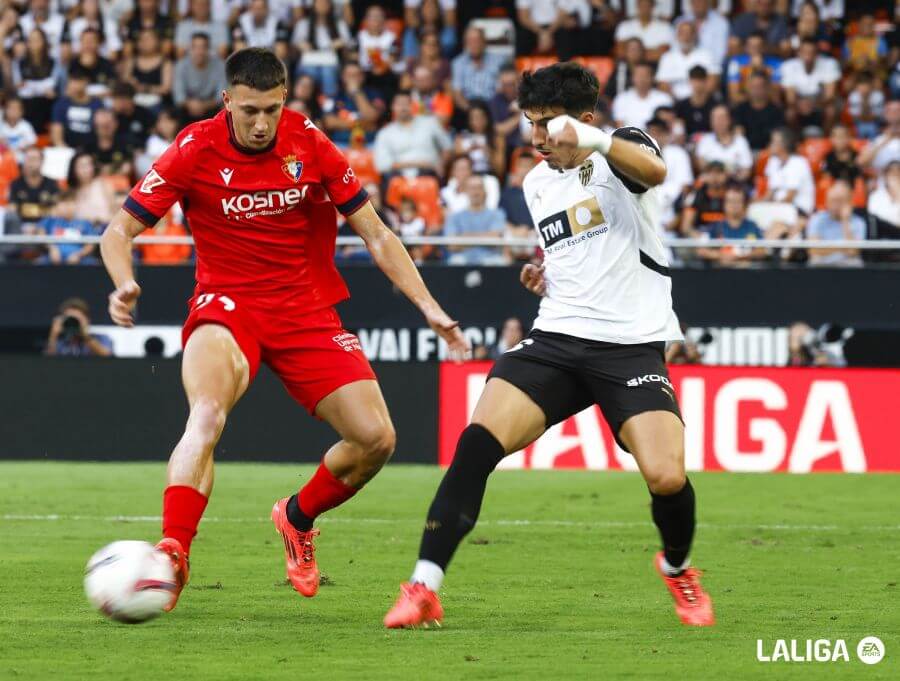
(599, 338)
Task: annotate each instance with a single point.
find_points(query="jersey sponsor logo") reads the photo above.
(648, 378)
(580, 217)
(151, 181)
(188, 138)
(292, 167)
(348, 342)
(272, 202)
(226, 174)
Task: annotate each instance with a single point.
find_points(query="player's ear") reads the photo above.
(226, 99)
(587, 117)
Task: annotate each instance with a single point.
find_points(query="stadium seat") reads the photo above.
(601, 66)
(764, 213)
(9, 171)
(823, 184)
(362, 160)
(423, 190)
(534, 63)
(166, 254)
(815, 149)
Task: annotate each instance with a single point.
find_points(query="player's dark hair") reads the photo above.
(257, 68)
(567, 86)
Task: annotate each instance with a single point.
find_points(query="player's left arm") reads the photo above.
(392, 258)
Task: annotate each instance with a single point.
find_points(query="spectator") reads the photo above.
(679, 173)
(762, 18)
(505, 108)
(428, 98)
(676, 64)
(431, 58)
(788, 175)
(712, 30)
(578, 33)
(840, 163)
(475, 71)
(480, 142)
(512, 202)
(11, 35)
(94, 200)
(359, 252)
(476, 221)
(410, 143)
(809, 25)
(537, 23)
(454, 196)
(147, 16)
(836, 223)
(866, 51)
(623, 73)
(149, 72)
(306, 97)
(423, 16)
(378, 52)
(866, 106)
(16, 133)
(636, 106)
(725, 145)
(199, 80)
(654, 35)
(885, 148)
(90, 65)
(112, 151)
(31, 195)
(321, 39)
(705, 206)
(70, 333)
(510, 336)
(411, 224)
(695, 109)
(753, 60)
(197, 21)
(133, 120)
(758, 115)
(884, 202)
(73, 114)
(62, 222)
(164, 132)
(88, 15)
(37, 77)
(355, 107)
(664, 9)
(50, 22)
(258, 27)
(734, 225)
(810, 85)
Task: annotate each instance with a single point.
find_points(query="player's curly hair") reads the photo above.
(567, 85)
(255, 67)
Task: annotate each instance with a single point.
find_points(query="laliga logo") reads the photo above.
(869, 651)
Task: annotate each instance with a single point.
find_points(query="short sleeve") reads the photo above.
(163, 185)
(338, 177)
(638, 136)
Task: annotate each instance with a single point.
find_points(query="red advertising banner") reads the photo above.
(797, 420)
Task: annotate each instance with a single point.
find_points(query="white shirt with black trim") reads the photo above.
(605, 266)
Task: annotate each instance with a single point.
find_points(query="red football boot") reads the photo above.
(172, 548)
(416, 606)
(299, 552)
(692, 603)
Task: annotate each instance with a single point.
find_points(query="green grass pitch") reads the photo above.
(555, 583)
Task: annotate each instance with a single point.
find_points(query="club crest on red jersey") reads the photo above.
(292, 167)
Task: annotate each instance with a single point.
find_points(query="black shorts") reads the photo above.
(564, 375)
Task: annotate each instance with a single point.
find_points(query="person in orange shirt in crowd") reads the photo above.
(166, 254)
(427, 97)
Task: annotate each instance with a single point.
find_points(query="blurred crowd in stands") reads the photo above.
(777, 118)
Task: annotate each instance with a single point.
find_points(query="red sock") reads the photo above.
(182, 509)
(322, 492)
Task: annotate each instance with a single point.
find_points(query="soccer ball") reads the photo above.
(129, 581)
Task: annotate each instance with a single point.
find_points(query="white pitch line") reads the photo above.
(500, 523)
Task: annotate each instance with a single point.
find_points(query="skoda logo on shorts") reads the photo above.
(647, 378)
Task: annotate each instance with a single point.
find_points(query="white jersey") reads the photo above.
(605, 267)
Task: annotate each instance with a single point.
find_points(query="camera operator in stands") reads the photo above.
(70, 333)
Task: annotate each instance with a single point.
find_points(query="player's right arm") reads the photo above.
(116, 246)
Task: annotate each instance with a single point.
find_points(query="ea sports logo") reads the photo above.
(870, 650)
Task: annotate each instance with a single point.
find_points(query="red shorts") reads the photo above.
(311, 352)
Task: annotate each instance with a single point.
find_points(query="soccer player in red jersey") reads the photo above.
(259, 185)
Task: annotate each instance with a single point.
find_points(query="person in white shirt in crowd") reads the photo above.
(89, 14)
(679, 176)
(865, 104)
(885, 148)
(538, 21)
(164, 132)
(655, 35)
(726, 145)
(884, 202)
(453, 195)
(259, 27)
(320, 38)
(829, 10)
(675, 65)
(200, 20)
(836, 223)
(637, 104)
(41, 15)
(410, 144)
(478, 220)
(377, 44)
(16, 133)
(789, 179)
(810, 82)
(712, 29)
(664, 9)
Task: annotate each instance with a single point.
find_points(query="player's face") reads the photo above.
(556, 157)
(254, 114)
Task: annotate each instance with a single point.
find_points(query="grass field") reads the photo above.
(555, 583)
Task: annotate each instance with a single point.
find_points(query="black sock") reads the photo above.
(458, 499)
(674, 517)
(296, 517)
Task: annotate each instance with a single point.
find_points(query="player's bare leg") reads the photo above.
(656, 439)
(358, 413)
(504, 421)
(215, 374)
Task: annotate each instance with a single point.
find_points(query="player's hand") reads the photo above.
(532, 278)
(122, 302)
(449, 330)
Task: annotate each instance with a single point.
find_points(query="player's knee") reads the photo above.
(666, 480)
(377, 444)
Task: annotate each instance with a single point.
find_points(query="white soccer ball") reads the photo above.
(129, 581)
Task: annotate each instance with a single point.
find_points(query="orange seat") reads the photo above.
(425, 193)
(43, 140)
(601, 66)
(815, 149)
(120, 184)
(822, 186)
(534, 63)
(395, 26)
(9, 171)
(362, 161)
(760, 168)
(860, 195)
(165, 254)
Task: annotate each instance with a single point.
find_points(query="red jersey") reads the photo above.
(263, 222)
